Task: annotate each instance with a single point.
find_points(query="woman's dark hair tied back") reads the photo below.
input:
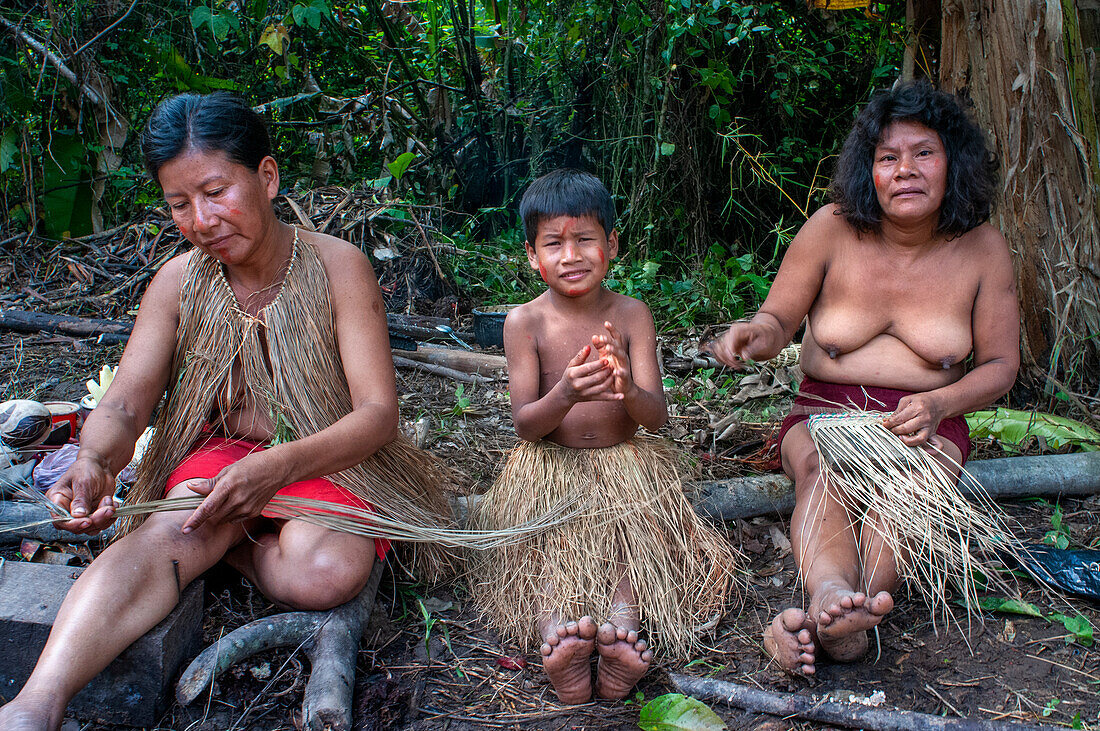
(971, 166)
(218, 122)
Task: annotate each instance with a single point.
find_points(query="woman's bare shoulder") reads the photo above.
(168, 279)
(822, 235)
(343, 261)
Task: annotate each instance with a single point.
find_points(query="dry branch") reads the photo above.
(439, 370)
(331, 642)
(850, 715)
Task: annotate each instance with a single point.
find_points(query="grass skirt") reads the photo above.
(633, 518)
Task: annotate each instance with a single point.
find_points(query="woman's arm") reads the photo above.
(794, 290)
(107, 439)
(995, 323)
(244, 488)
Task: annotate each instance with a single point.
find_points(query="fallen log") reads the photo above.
(849, 715)
(1003, 479)
(28, 321)
(405, 330)
(457, 358)
(330, 640)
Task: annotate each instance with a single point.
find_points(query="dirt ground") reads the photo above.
(452, 673)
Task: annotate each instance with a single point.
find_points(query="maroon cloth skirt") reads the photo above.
(817, 397)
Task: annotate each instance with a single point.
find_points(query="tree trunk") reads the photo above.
(1023, 64)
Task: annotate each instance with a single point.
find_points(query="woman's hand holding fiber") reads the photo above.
(87, 492)
(742, 344)
(239, 492)
(916, 418)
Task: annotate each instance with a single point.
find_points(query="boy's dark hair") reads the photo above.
(566, 192)
(971, 166)
(218, 122)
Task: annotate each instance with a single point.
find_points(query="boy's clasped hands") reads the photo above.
(607, 378)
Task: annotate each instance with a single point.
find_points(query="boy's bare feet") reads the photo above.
(38, 712)
(790, 642)
(843, 618)
(624, 659)
(566, 652)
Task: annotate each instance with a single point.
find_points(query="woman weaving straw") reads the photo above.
(910, 306)
(261, 335)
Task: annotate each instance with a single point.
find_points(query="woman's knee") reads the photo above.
(325, 581)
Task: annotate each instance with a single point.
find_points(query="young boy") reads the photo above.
(583, 374)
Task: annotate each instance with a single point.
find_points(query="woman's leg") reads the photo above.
(827, 551)
(123, 594)
(304, 566)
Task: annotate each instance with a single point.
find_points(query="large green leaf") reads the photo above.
(67, 200)
(1013, 427)
(678, 712)
(401, 164)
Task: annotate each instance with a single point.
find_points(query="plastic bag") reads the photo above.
(53, 465)
(1075, 572)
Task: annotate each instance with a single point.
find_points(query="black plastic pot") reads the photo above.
(489, 325)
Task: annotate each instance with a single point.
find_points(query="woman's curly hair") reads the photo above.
(971, 166)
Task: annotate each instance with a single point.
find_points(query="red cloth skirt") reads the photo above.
(815, 397)
(213, 454)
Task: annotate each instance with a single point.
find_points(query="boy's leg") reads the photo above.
(123, 594)
(624, 658)
(566, 655)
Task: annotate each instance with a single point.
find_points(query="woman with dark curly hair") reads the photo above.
(910, 306)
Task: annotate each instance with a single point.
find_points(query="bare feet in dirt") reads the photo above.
(566, 652)
(790, 642)
(844, 617)
(26, 714)
(624, 659)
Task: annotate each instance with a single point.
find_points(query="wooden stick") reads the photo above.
(407, 326)
(457, 358)
(440, 370)
(850, 715)
(29, 321)
(331, 642)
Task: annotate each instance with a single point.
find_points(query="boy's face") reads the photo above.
(572, 253)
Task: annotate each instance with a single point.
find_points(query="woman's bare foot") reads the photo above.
(843, 618)
(624, 659)
(30, 711)
(790, 642)
(566, 651)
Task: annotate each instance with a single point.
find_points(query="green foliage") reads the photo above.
(1079, 628)
(712, 123)
(1058, 536)
(1014, 428)
(678, 712)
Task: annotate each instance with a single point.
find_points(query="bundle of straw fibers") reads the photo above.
(909, 496)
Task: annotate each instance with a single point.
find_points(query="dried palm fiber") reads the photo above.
(911, 500)
(635, 520)
(290, 369)
(333, 516)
